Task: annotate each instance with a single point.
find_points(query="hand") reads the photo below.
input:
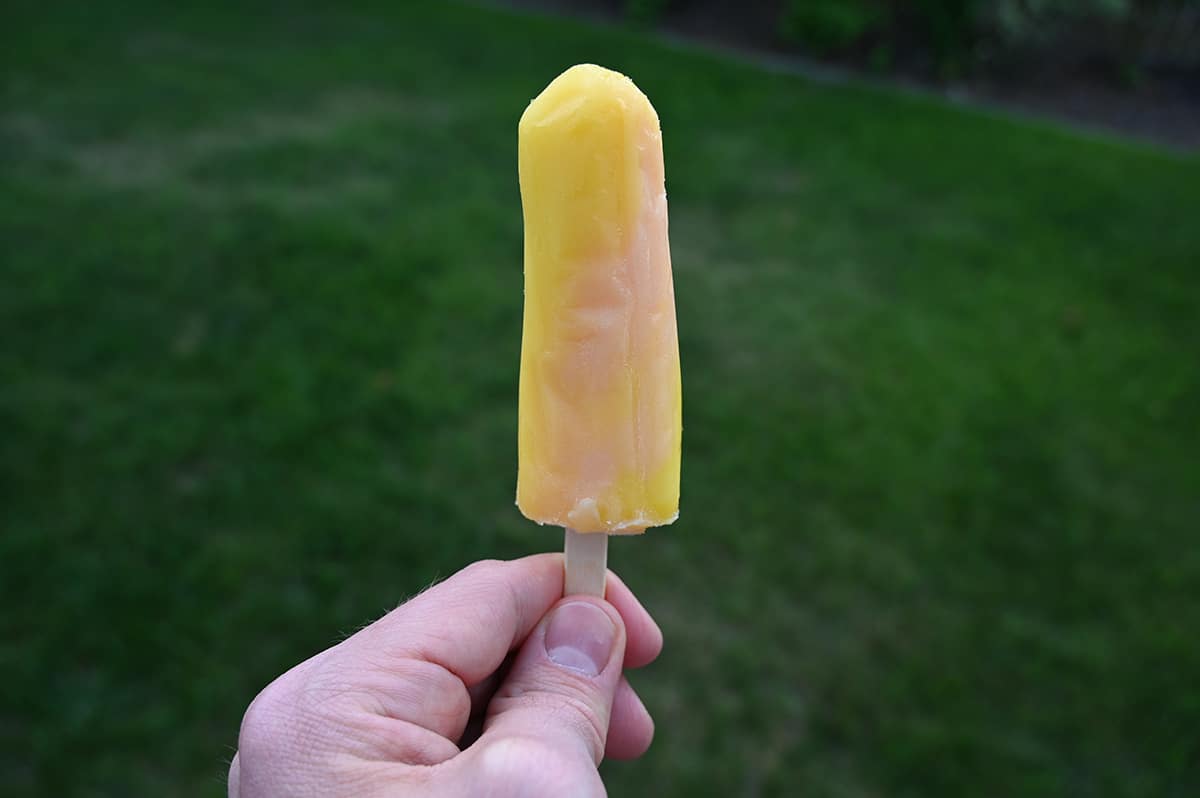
(395, 709)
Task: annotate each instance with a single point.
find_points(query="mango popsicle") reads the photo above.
(600, 397)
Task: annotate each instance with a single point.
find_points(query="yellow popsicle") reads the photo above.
(600, 417)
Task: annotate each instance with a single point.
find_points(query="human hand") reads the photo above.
(395, 709)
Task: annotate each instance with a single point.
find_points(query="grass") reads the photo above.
(260, 322)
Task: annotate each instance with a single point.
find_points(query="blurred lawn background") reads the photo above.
(260, 317)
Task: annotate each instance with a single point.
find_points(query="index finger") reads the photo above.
(469, 623)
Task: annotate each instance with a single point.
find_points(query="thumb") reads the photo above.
(548, 722)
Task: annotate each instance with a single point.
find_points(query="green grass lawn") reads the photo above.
(260, 297)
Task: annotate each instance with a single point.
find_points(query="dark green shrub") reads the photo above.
(1039, 24)
(830, 26)
(945, 29)
(948, 29)
(645, 12)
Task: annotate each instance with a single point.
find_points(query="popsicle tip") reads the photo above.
(579, 86)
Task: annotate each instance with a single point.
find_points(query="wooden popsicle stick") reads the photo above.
(586, 563)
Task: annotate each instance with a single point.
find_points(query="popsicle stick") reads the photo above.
(586, 560)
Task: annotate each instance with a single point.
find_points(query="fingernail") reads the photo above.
(580, 636)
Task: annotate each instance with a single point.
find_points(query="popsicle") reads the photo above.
(600, 419)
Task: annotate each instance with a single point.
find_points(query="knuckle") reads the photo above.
(264, 723)
(491, 587)
(483, 579)
(561, 707)
(488, 568)
(282, 746)
(578, 714)
(443, 696)
(420, 692)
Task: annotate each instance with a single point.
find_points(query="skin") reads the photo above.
(488, 684)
